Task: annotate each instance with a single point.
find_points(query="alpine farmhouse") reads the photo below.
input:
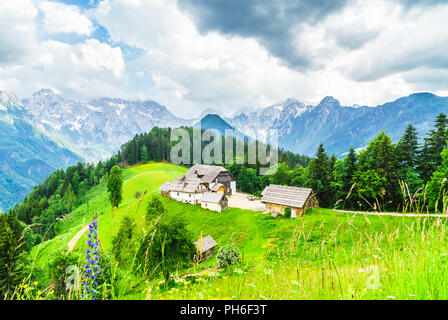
(278, 198)
(202, 184)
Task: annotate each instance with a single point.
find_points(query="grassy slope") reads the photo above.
(318, 256)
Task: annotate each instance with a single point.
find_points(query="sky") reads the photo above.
(228, 55)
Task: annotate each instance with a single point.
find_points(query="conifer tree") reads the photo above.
(430, 155)
(144, 157)
(319, 176)
(407, 148)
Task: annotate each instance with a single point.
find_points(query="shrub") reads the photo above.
(228, 255)
(121, 243)
(288, 212)
(167, 246)
(155, 208)
(58, 271)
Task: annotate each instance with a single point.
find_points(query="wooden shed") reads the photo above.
(205, 248)
(278, 198)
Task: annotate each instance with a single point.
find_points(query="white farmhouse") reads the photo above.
(202, 184)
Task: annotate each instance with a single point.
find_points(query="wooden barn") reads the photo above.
(205, 248)
(278, 198)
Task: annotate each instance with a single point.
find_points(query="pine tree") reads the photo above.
(430, 156)
(144, 157)
(407, 148)
(345, 178)
(319, 176)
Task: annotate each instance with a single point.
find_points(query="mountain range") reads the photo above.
(46, 131)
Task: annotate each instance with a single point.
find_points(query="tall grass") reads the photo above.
(403, 260)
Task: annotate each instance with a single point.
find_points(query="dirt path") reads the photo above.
(75, 239)
(395, 214)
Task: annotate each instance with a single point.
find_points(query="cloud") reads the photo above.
(62, 18)
(16, 29)
(411, 39)
(275, 24)
(193, 71)
(191, 55)
(81, 71)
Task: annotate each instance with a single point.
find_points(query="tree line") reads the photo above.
(382, 176)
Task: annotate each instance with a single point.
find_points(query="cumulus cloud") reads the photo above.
(17, 29)
(80, 71)
(63, 18)
(412, 40)
(225, 54)
(273, 23)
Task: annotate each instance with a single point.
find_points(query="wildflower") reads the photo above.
(296, 283)
(25, 286)
(91, 261)
(39, 293)
(35, 283)
(239, 271)
(268, 272)
(51, 292)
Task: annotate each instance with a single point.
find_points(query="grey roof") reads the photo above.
(212, 197)
(206, 173)
(165, 187)
(207, 243)
(215, 186)
(189, 185)
(284, 195)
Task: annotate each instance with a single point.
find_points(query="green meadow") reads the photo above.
(323, 255)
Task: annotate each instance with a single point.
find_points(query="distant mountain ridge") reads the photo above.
(27, 155)
(97, 128)
(46, 132)
(302, 127)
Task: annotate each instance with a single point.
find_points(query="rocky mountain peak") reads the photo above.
(329, 102)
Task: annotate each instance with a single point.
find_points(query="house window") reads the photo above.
(178, 194)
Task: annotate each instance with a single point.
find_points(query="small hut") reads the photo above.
(205, 248)
(278, 198)
(214, 201)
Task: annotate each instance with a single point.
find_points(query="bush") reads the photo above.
(155, 208)
(58, 271)
(166, 247)
(288, 212)
(122, 242)
(228, 255)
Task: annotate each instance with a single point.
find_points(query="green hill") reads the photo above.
(324, 255)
